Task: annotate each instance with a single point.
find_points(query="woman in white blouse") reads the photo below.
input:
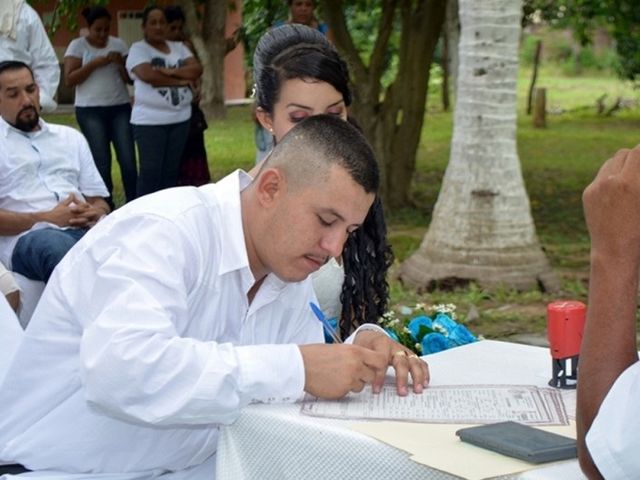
(162, 73)
(95, 66)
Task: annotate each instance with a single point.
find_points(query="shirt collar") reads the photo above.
(234, 248)
(6, 128)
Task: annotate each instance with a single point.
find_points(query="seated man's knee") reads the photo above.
(38, 252)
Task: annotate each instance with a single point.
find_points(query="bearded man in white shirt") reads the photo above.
(608, 415)
(192, 303)
(50, 189)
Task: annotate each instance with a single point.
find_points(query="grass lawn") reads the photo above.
(557, 162)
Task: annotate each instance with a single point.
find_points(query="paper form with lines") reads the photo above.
(465, 404)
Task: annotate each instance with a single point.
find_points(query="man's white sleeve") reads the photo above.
(613, 440)
(90, 181)
(44, 62)
(135, 365)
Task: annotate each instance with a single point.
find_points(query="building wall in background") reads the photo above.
(126, 24)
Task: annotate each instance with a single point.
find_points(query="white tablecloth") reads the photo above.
(278, 442)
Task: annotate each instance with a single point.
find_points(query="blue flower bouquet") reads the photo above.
(426, 330)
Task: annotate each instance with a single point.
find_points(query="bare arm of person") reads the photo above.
(13, 299)
(75, 73)
(156, 78)
(191, 70)
(13, 223)
(613, 219)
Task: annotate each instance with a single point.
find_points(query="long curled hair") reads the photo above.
(297, 51)
(366, 258)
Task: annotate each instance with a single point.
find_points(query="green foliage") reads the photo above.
(362, 22)
(405, 243)
(435, 82)
(474, 294)
(585, 59)
(557, 48)
(528, 49)
(65, 13)
(620, 17)
(571, 57)
(258, 16)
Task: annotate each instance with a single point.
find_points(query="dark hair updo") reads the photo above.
(91, 14)
(296, 51)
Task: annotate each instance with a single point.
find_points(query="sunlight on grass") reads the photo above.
(568, 93)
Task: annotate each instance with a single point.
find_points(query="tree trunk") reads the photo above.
(445, 71)
(482, 228)
(393, 124)
(213, 28)
(540, 108)
(452, 27)
(534, 75)
(210, 44)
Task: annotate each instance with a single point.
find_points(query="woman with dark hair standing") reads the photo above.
(162, 71)
(95, 66)
(298, 74)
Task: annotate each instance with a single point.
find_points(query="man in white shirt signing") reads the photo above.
(50, 189)
(608, 416)
(190, 304)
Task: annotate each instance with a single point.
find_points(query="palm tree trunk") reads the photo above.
(482, 228)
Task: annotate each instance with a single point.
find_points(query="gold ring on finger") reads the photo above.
(400, 352)
(413, 355)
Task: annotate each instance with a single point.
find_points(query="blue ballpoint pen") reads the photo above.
(318, 313)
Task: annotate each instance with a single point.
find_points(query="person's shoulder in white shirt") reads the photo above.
(139, 52)
(116, 44)
(33, 37)
(613, 438)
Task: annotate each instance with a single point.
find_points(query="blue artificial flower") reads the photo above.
(445, 322)
(416, 323)
(434, 342)
(461, 335)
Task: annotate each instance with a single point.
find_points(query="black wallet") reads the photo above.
(520, 441)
